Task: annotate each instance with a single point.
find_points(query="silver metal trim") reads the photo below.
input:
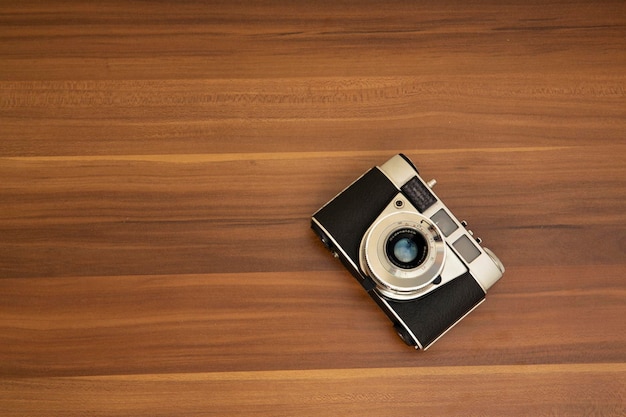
(495, 259)
(398, 170)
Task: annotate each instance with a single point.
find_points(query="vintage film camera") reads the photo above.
(421, 265)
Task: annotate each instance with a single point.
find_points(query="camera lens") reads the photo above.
(406, 248)
(403, 252)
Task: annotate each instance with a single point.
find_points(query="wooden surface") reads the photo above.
(159, 163)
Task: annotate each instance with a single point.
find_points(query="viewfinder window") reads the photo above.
(444, 222)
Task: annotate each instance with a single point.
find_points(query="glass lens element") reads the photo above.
(406, 248)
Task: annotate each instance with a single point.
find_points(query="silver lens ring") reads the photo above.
(397, 279)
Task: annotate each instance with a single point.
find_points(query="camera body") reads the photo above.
(420, 264)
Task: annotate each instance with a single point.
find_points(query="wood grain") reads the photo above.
(574, 390)
(160, 161)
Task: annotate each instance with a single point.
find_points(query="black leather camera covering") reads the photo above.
(352, 212)
(430, 316)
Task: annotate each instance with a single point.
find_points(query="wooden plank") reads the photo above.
(513, 390)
